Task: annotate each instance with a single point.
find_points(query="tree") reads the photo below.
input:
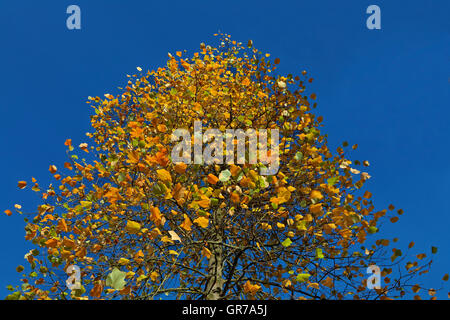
(140, 226)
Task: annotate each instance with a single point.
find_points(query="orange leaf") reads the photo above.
(316, 208)
(235, 197)
(22, 184)
(251, 289)
(186, 225)
(206, 252)
(204, 203)
(97, 290)
(156, 216)
(212, 179)
(180, 167)
(51, 243)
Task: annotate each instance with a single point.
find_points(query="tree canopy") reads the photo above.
(141, 226)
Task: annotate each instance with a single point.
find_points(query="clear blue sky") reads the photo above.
(387, 90)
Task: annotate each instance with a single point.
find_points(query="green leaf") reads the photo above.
(116, 279)
(79, 292)
(214, 202)
(298, 156)
(286, 243)
(372, 229)
(225, 175)
(332, 181)
(13, 296)
(319, 253)
(121, 177)
(302, 277)
(86, 204)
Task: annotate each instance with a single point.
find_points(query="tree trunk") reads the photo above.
(216, 281)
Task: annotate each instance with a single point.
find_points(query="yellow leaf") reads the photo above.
(166, 239)
(164, 175)
(174, 236)
(154, 275)
(202, 222)
(316, 208)
(280, 225)
(204, 203)
(155, 215)
(314, 285)
(180, 167)
(315, 194)
(133, 227)
(186, 225)
(139, 256)
(123, 261)
(206, 252)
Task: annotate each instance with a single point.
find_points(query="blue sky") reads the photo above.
(386, 90)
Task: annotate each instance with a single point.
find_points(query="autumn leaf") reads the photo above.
(155, 216)
(116, 279)
(180, 168)
(316, 208)
(202, 222)
(251, 289)
(206, 252)
(174, 236)
(22, 184)
(97, 290)
(133, 227)
(186, 225)
(235, 197)
(286, 243)
(212, 179)
(123, 261)
(315, 194)
(164, 175)
(328, 282)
